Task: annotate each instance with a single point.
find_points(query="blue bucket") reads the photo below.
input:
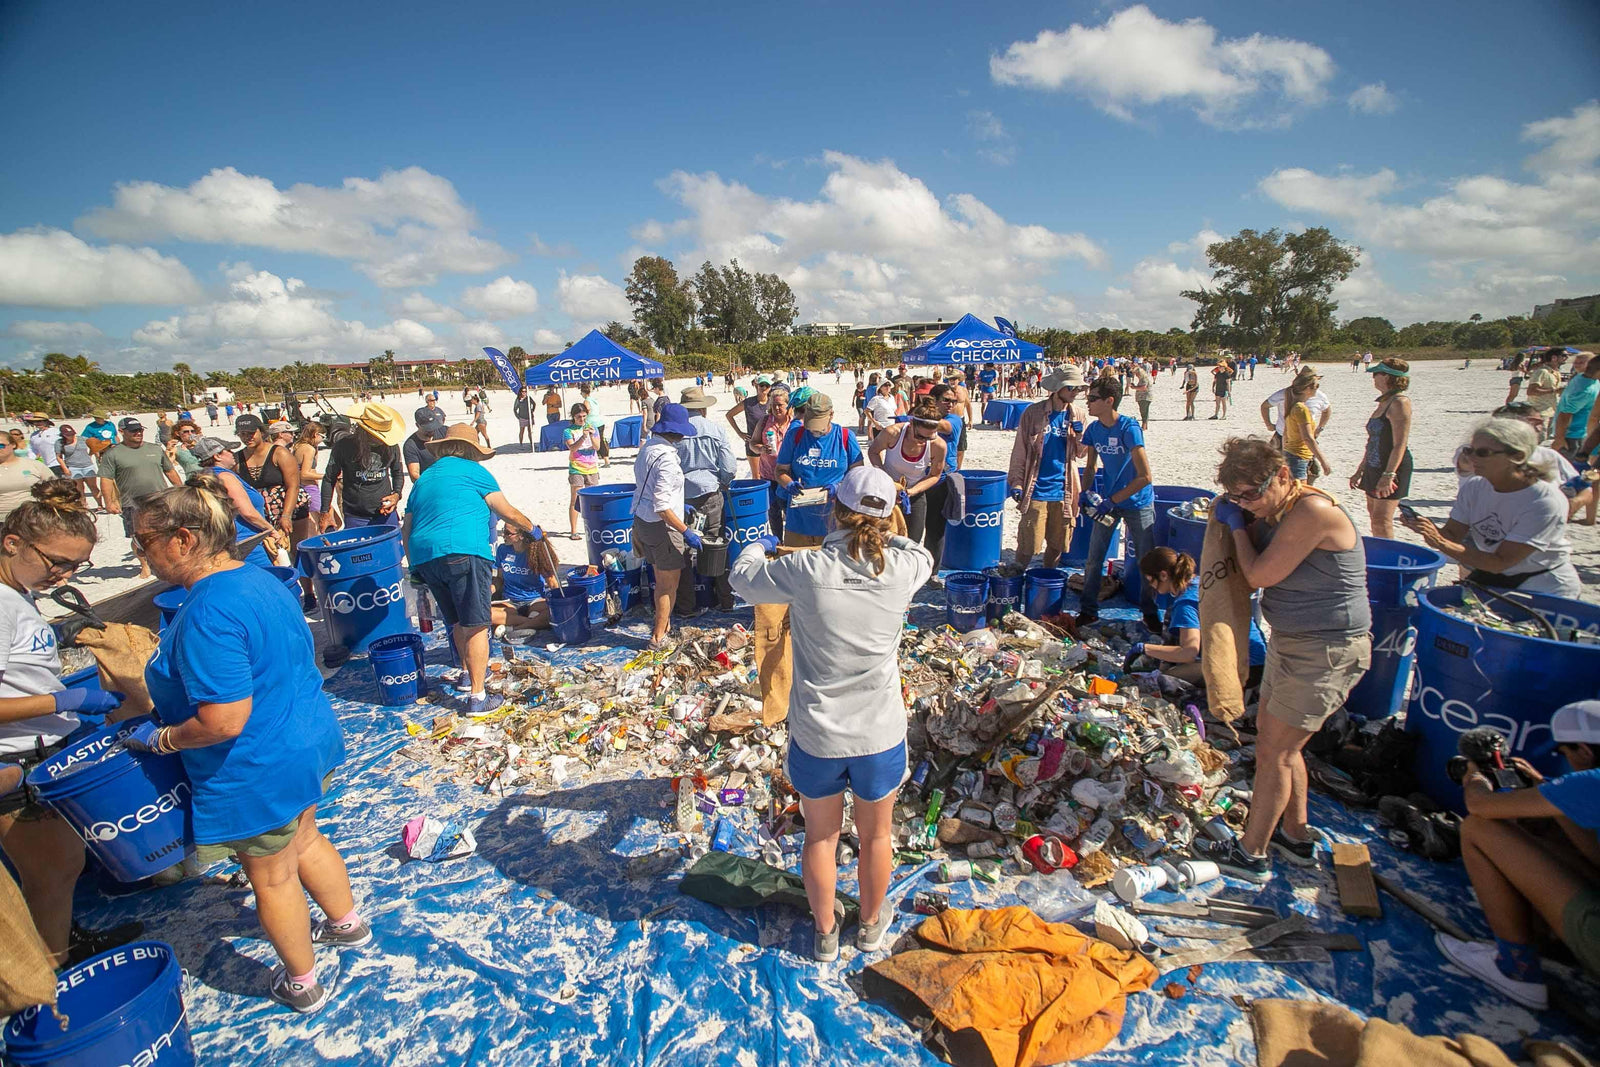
(168, 601)
(746, 514)
(608, 518)
(132, 811)
(1468, 676)
(1167, 498)
(1186, 535)
(569, 615)
(289, 576)
(593, 586)
(1042, 591)
(966, 601)
(397, 664)
(1005, 593)
(974, 543)
(124, 1006)
(1396, 574)
(360, 582)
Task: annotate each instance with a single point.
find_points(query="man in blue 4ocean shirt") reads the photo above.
(1117, 443)
(1535, 852)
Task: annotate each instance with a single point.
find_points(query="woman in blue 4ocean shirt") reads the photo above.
(238, 697)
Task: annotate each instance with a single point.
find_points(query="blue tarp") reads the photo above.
(594, 358)
(971, 340)
(541, 949)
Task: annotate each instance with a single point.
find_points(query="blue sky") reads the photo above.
(232, 184)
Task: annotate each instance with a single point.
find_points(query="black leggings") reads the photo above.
(917, 520)
(933, 539)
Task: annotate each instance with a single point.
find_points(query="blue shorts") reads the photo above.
(460, 585)
(868, 777)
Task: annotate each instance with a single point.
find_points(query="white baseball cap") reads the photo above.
(868, 490)
(1577, 723)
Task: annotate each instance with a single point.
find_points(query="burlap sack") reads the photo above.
(26, 976)
(122, 650)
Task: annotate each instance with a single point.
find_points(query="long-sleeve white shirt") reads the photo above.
(658, 481)
(844, 634)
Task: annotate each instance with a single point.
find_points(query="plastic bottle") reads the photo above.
(1095, 838)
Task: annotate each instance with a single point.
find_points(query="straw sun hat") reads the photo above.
(380, 420)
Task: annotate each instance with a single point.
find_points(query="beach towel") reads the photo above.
(1224, 623)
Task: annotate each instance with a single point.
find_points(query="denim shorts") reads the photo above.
(461, 585)
(868, 777)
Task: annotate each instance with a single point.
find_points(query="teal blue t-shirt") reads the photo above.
(240, 633)
(449, 511)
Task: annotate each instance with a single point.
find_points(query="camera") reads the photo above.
(1486, 747)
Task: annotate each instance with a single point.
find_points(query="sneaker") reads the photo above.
(1233, 860)
(1299, 853)
(301, 997)
(84, 943)
(483, 705)
(325, 933)
(1478, 958)
(870, 936)
(825, 946)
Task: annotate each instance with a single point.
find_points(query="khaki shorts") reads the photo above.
(583, 479)
(258, 846)
(1580, 928)
(661, 546)
(1307, 678)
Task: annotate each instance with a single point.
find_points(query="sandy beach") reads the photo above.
(1448, 402)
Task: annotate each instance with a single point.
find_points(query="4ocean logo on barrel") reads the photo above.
(173, 799)
(343, 603)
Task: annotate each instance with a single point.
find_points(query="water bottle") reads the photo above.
(424, 611)
(1095, 502)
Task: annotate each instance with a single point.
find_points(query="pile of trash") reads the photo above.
(1029, 743)
(1495, 612)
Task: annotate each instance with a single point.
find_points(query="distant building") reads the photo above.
(405, 370)
(822, 329)
(1578, 304)
(900, 335)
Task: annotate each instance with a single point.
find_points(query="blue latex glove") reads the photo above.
(1015, 494)
(142, 738)
(1104, 508)
(1227, 511)
(785, 493)
(1133, 654)
(692, 539)
(88, 703)
(905, 502)
(769, 544)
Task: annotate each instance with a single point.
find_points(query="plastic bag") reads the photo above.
(1055, 897)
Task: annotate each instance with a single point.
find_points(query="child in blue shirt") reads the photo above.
(1117, 443)
(524, 567)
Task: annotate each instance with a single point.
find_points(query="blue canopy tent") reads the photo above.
(971, 340)
(595, 358)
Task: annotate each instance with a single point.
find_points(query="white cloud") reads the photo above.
(53, 332)
(503, 298)
(546, 341)
(403, 228)
(1373, 99)
(876, 243)
(1574, 140)
(1146, 297)
(426, 309)
(54, 269)
(995, 143)
(590, 298)
(1138, 58)
(266, 319)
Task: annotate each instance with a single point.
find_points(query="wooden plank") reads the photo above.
(1436, 918)
(1203, 911)
(1330, 941)
(1301, 953)
(1223, 949)
(1352, 870)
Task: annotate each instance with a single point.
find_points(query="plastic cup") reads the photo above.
(1132, 883)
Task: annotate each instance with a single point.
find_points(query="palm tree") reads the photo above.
(183, 372)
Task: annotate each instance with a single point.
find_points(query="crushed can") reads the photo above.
(929, 902)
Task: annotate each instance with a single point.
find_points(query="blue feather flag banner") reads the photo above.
(502, 363)
(1005, 326)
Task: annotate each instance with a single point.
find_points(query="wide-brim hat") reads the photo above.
(460, 432)
(380, 420)
(674, 419)
(696, 397)
(1061, 379)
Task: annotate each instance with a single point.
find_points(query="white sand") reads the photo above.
(1448, 402)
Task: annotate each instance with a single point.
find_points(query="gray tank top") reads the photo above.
(1326, 596)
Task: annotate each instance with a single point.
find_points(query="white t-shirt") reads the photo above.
(1318, 403)
(881, 408)
(1534, 516)
(29, 665)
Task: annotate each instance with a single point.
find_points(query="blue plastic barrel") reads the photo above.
(1469, 675)
(966, 601)
(569, 615)
(397, 662)
(1186, 535)
(1005, 592)
(705, 591)
(132, 811)
(608, 517)
(593, 587)
(1077, 554)
(1396, 574)
(360, 583)
(745, 514)
(1042, 592)
(122, 1006)
(1169, 497)
(974, 543)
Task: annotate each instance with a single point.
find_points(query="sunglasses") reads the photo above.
(62, 567)
(1250, 496)
(141, 541)
(1484, 453)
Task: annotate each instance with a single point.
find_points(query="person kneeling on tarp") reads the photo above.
(1171, 576)
(1534, 852)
